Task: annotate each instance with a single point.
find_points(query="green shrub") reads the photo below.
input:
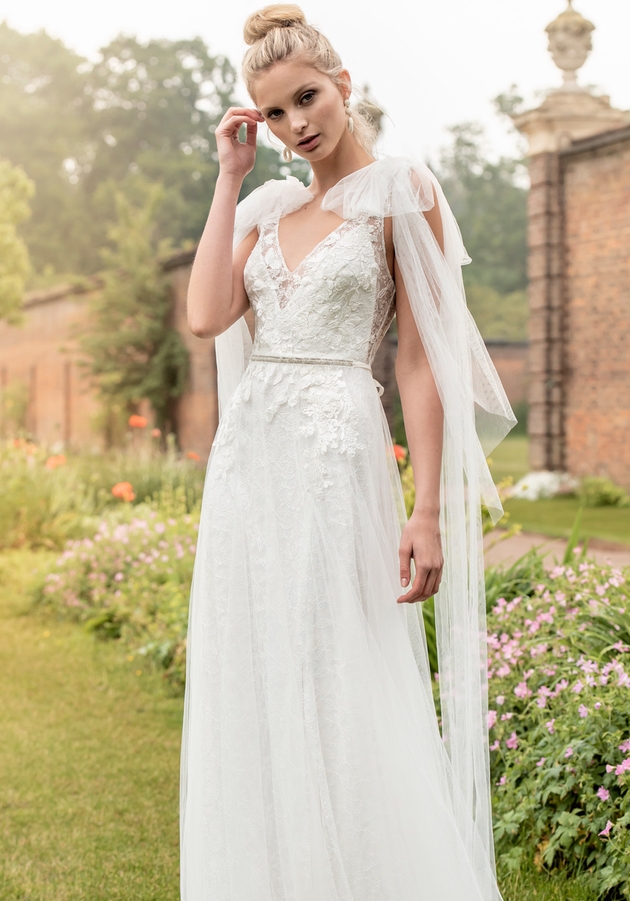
(560, 726)
(47, 500)
(599, 492)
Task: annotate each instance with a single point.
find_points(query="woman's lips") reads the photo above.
(309, 143)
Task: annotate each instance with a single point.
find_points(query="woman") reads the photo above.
(313, 768)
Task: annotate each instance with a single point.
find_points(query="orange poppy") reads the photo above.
(55, 461)
(193, 456)
(138, 422)
(400, 453)
(124, 491)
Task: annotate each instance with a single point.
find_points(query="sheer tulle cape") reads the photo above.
(477, 417)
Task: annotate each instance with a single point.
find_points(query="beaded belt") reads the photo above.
(320, 361)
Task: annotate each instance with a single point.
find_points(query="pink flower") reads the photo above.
(577, 688)
(495, 745)
(118, 577)
(541, 761)
(606, 831)
(623, 767)
(506, 716)
(522, 690)
(583, 711)
(550, 726)
(625, 745)
(500, 700)
(597, 705)
(568, 752)
(603, 794)
(503, 780)
(541, 702)
(609, 768)
(492, 718)
(512, 742)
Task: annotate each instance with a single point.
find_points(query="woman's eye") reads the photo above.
(274, 114)
(307, 97)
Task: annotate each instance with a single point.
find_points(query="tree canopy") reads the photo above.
(144, 112)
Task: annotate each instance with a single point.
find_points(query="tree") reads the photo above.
(133, 352)
(145, 112)
(15, 190)
(491, 208)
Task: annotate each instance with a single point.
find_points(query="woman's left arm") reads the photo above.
(424, 422)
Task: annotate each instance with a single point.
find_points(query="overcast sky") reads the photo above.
(429, 64)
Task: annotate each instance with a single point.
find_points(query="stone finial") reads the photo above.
(570, 44)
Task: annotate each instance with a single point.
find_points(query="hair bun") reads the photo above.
(280, 15)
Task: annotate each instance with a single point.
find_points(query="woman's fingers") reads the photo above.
(231, 126)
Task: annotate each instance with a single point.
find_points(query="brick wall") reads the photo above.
(42, 356)
(596, 324)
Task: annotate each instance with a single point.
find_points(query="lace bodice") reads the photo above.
(338, 302)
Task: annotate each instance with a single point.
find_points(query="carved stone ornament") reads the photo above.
(570, 43)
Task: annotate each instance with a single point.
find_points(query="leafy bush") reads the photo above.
(47, 500)
(560, 726)
(131, 581)
(599, 492)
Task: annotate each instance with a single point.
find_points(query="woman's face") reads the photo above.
(303, 108)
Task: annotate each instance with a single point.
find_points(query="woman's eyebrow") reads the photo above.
(300, 90)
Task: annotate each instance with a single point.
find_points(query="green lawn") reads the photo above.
(554, 516)
(89, 764)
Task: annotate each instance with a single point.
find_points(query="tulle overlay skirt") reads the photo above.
(312, 764)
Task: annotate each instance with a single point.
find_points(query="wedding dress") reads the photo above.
(313, 766)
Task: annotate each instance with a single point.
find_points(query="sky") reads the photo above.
(429, 65)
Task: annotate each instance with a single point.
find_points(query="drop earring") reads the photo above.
(349, 115)
(287, 155)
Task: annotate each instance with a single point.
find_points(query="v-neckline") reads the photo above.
(292, 272)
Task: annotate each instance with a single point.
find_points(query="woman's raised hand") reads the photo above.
(237, 158)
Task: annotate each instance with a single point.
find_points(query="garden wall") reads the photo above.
(596, 305)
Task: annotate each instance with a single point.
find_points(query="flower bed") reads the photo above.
(560, 725)
(131, 581)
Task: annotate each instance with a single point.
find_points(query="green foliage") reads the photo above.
(14, 408)
(43, 506)
(490, 206)
(600, 492)
(133, 351)
(144, 112)
(560, 726)
(498, 315)
(15, 190)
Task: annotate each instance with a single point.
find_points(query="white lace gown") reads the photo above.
(312, 767)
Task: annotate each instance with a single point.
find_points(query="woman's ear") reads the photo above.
(346, 84)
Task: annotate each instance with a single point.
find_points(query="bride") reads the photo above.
(314, 767)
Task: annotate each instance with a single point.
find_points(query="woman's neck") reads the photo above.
(347, 157)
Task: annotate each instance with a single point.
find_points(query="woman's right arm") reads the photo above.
(216, 293)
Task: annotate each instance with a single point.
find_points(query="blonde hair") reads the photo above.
(281, 32)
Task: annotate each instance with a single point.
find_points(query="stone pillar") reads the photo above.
(568, 113)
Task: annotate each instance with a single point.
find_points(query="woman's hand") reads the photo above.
(421, 540)
(237, 158)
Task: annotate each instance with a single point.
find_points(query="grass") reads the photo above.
(89, 766)
(554, 516)
(88, 761)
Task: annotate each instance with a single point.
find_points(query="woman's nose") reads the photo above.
(298, 124)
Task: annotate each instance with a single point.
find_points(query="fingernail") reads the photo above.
(404, 582)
